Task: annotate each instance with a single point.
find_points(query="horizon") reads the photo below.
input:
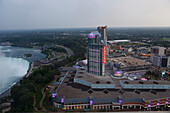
(41, 29)
(37, 14)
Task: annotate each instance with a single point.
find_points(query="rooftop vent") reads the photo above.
(97, 82)
(137, 92)
(108, 82)
(154, 92)
(126, 82)
(140, 82)
(90, 91)
(106, 92)
(155, 82)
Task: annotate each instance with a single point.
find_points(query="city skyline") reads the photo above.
(36, 14)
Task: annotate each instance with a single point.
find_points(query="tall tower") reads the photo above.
(103, 31)
(96, 53)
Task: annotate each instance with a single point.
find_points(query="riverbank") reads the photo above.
(6, 93)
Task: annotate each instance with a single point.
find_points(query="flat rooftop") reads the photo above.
(83, 75)
(69, 89)
(129, 61)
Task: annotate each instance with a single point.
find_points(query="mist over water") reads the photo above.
(14, 64)
(11, 71)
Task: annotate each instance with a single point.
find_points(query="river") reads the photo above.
(14, 64)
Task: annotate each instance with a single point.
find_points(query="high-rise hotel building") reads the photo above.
(96, 51)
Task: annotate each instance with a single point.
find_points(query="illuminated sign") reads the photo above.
(104, 55)
(62, 100)
(120, 101)
(166, 102)
(158, 103)
(53, 95)
(91, 102)
(149, 104)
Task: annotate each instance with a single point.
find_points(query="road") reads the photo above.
(69, 51)
(69, 54)
(30, 69)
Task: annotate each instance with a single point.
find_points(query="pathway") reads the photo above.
(34, 104)
(41, 102)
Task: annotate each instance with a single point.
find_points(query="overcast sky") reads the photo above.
(37, 14)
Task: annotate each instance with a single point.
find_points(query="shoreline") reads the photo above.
(7, 92)
(28, 73)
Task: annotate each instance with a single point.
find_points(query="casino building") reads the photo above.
(95, 89)
(96, 51)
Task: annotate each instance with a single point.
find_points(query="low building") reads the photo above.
(80, 95)
(161, 61)
(129, 65)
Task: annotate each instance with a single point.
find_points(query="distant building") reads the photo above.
(129, 65)
(156, 60)
(167, 51)
(165, 62)
(119, 41)
(156, 50)
(161, 61)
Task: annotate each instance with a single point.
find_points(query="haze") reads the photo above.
(38, 14)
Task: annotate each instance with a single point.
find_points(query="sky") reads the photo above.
(42, 14)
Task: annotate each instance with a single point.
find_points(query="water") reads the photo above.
(18, 52)
(14, 64)
(11, 70)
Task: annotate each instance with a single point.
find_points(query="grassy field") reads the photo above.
(166, 39)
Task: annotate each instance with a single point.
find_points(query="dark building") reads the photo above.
(165, 61)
